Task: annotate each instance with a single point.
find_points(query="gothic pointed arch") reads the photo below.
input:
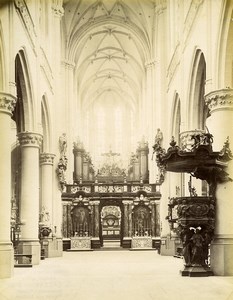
(176, 117)
(197, 111)
(46, 124)
(225, 49)
(24, 111)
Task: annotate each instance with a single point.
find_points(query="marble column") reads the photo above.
(126, 243)
(95, 241)
(126, 219)
(7, 104)
(29, 196)
(220, 124)
(153, 218)
(130, 219)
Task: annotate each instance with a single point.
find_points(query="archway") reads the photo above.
(111, 225)
(197, 111)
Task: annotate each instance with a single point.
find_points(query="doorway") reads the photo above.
(111, 226)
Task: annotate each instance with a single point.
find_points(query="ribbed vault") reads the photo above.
(109, 42)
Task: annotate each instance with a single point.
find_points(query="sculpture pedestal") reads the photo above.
(141, 243)
(52, 247)
(196, 271)
(80, 244)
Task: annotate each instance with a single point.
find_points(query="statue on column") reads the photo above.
(63, 144)
(159, 151)
(158, 137)
(62, 165)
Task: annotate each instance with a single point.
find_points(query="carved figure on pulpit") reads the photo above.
(197, 248)
(185, 235)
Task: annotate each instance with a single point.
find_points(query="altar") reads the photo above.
(141, 243)
(78, 243)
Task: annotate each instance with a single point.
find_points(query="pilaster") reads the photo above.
(7, 104)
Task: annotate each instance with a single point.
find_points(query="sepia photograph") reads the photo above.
(116, 149)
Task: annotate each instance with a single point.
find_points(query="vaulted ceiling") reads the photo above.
(109, 42)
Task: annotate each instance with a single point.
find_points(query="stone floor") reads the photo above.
(112, 275)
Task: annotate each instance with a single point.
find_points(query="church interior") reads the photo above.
(116, 122)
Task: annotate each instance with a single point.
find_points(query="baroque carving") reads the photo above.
(75, 189)
(160, 152)
(81, 243)
(201, 161)
(61, 169)
(110, 189)
(187, 139)
(192, 218)
(141, 242)
(30, 139)
(62, 165)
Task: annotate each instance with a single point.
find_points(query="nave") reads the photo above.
(104, 275)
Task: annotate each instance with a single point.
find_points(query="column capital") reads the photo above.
(220, 100)
(30, 139)
(7, 103)
(46, 158)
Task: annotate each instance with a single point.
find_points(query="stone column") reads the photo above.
(7, 104)
(46, 207)
(29, 196)
(46, 163)
(220, 124)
